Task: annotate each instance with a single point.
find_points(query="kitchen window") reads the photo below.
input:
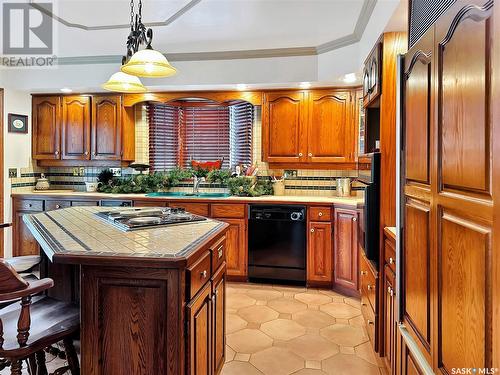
(182, 132)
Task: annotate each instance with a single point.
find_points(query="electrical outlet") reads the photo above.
(117, 172)
(290, 173)
(81, 172)
(12, 172)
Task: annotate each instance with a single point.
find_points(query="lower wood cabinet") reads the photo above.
(219, 319)
(368, 286)
(389, 319)
(345, 271)
(320, 252)
(23, 242)
(237, 248)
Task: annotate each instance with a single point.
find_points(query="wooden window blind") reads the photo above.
(164, 139)
(241, 122)
(180, 134)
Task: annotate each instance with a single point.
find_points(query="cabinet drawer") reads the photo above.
(390, 254)
(218, 251)
(369, 316)
(198, 274)
(84, 203)
(28, 205)
(236, 211)
(368, 282)
(56, 205)
(320, 213)
(194, 208)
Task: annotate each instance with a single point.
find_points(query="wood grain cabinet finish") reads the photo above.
(319, 253)
(75, 124)
(46, 133)
(23, 242)
(236, 248)
(219, 319)
(331, 127)
(389, 318)
(449, 246)
(345, 271)
(372, 75)
(284, 134)
(106, 128)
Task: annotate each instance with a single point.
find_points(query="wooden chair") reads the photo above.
(53, 321)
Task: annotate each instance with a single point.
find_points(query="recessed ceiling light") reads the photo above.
(66, 90)
(350, 78)
(241, 87)
(305, 85)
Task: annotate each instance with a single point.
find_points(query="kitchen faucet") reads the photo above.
(196, 184)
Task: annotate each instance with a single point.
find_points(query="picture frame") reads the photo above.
(18, 123)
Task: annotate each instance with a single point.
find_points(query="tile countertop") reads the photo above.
(79, 233)
(356, 201)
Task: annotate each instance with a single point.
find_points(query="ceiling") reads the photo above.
(284, 27)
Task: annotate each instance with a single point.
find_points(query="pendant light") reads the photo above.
(126, 83)
(146, 62)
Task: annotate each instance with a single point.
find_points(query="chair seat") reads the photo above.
(51, 321)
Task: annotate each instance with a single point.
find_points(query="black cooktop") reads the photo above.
(128, 219)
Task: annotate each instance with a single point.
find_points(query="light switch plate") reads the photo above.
(117, 172)
(290, 173)
(12, 172)
(75, 171)
(81, 172)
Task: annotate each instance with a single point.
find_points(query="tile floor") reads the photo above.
(280, 330)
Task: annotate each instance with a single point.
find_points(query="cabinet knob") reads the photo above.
(370, 322)
(362, 273)
(312, 230)
(390, 291)
(301, 154)
(310, 154)
(320, 214)
(58, 206)
(30, 205)
(354, 219)
(370, 287)
(86, 153)
(391, 260)
(220, 252)
(204, 274)
(56, 153)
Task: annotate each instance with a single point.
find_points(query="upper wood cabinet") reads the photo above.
(372, 77)
(106, 128)
(46, 120)
(75, 126)
(284, 135)
(309, 127)
(82, 128)
(331, 129)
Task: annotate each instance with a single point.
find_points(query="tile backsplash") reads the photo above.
(307, 182)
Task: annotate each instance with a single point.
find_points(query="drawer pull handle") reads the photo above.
(301, 154)
(220, 252)
(362, 273)
(390, 291)
(370, 287)
(391, 260)
(370, 322)
(57, 206)
(363, 304)
(204, 274)
(320, 214)
(56, 153)
(86, 153)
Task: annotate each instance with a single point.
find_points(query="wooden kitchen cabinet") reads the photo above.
(389, 318)
(200, 333)
(75, 125)
(372, 77)
(23, 242)
(284, 132)
(319, 253)
(345, 271)
(331, 127)
(219, 319)
(46, 132)
(237, 248)
(106, 127)
(309, 128)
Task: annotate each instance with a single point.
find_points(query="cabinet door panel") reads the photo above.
(283, 127)
(330, 128)
(346, 249)
(46, 119)
(319, 252)
(200, 333)
(236, 243)
(106, 127)
(219, 318)
(23, 241)
(389, 318)
(76, 128)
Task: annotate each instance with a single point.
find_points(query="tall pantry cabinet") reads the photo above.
(449, 300)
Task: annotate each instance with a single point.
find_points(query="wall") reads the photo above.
(17, 152)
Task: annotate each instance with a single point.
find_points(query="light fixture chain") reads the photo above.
(140, 10)
(131, 14)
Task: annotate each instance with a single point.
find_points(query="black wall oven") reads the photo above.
(369, 219)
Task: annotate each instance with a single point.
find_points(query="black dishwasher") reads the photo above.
(277, 243)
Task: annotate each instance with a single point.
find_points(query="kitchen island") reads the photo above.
(152, 300)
